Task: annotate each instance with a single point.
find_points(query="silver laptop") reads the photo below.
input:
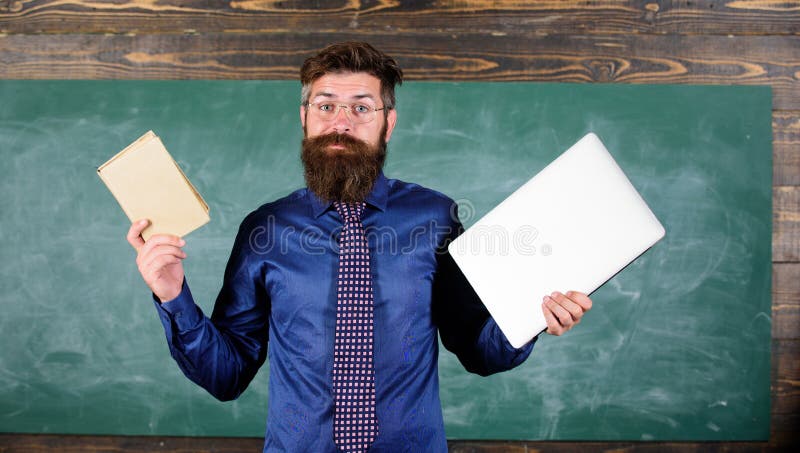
(573, 226)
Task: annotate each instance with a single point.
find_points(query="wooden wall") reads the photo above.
(697, 42)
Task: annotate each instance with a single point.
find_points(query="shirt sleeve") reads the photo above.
(223, 353)
(465, 326)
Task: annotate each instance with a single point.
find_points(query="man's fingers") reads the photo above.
(575, 311)
(580, 299)
(562, 312)
(150, 259)
(563, 316)
(134, 236)
(553, 326)
(160, 239)
(159, 245)
(163, 261)
(154, 267)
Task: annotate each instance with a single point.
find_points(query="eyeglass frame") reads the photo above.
(347, 107)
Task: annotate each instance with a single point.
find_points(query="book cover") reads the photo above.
(149, 184)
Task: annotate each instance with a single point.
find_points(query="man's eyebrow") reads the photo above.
(323, 94)
(327, 95)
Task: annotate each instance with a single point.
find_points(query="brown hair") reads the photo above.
(352, 57)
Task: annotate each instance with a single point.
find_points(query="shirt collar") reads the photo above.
(376, 197)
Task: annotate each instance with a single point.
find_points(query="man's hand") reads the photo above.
(160, 260)
(562, 312)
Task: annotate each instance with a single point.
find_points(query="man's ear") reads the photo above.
(303, 116)
(391, 120)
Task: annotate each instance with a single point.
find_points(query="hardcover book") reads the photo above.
(149, 184)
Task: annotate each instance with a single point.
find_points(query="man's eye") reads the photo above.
(325, 107)
(360, 108)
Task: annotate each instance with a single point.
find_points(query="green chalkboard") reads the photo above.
(677, 346)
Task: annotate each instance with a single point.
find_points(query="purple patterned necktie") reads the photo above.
(355, 425)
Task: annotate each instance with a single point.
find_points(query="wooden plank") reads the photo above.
(786, 435)
(786, 301)
(608, 447)
(35, 443)
(786, 148)
(38, 443)
(330, 16)
(767, 60)
(786, 224)
(785, 392)
(785, 378)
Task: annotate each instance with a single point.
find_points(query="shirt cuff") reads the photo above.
(182, 309)
(515, 355)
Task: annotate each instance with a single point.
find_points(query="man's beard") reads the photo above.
(347, 174)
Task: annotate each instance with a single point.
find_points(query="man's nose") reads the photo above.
(341, 120)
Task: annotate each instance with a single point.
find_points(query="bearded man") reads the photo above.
(350, 317)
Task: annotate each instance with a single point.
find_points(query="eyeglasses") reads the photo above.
(357, 113)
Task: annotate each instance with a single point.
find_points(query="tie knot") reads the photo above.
(350, 212)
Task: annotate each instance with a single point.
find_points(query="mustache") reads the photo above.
(333, 138)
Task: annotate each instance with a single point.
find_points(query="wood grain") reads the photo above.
(769, 60)
(785, 392)
(786, 148)
(786, 378)
(786, 301)
(35, 443)
(607, 447)
(786, 224)
(331, 16)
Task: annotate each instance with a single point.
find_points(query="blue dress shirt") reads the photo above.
(279, 290)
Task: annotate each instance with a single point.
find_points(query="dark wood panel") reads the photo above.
(786, 434)
(31, 443)
(330, 16)
(786, 301)
(785, 392)
(36, 443)
(786, 147)
(786, 224)
(608, 447)
(785, 380)
(769, 60)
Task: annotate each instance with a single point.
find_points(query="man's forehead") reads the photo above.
(357, 85)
